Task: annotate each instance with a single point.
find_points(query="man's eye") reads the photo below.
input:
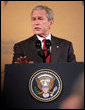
(40, 18)
(33, 19)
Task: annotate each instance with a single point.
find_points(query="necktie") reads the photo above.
(45, 52)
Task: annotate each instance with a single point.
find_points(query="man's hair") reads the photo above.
(50, 14)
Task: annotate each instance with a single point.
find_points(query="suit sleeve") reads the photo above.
(71, 55)
(18, 51)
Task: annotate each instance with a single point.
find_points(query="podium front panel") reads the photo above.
(16, 86)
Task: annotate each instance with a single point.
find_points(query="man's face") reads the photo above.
(41, 25)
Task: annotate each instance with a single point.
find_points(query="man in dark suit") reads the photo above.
(59, 50)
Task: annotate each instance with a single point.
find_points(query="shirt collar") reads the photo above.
(41, 38)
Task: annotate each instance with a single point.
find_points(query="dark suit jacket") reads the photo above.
(61, 51)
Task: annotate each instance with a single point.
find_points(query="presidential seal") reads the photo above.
(45, 85)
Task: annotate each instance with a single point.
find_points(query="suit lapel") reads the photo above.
(55, 44)
(36, 58)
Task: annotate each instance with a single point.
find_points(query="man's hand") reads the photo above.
(23, 60)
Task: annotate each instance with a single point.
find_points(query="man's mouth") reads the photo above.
(37, 28)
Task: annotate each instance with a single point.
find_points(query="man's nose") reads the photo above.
(36, 22)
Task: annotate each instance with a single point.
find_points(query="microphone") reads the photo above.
(38, 44)
(47, 43)
(41, 51)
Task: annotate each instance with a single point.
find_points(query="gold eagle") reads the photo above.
(51, 83)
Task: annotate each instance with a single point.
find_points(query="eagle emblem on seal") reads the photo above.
(45, 83)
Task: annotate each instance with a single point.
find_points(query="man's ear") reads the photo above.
(51, 22)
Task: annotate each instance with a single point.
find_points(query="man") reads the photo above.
(59, 50)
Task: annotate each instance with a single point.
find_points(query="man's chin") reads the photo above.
(37, 33)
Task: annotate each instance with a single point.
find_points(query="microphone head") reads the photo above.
(47, 43)
(38, 44)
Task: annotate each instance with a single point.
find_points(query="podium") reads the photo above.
(16, 86)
